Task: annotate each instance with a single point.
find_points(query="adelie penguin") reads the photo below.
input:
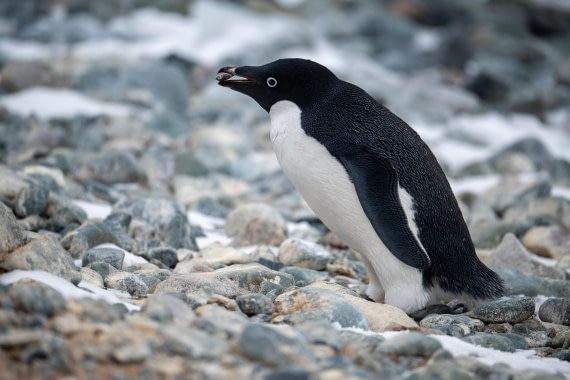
(371, 179)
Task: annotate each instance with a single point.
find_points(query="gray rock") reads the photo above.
(494, 341)
(96, 310)
(150, 281)
(194, 343)
(252, 304)
(92, 277)
(167, 308)
(538, 211)
(166, 255)
(303, 254)
(119, 222)
(530, 147)
(157, 212)
(562, 340)
(11, 234)
(179, 235)
(318, 304)
(321, 332)
(409, 344)
(519, 283)
(488, 234)
(112, 168)
(64, 211)
(511, 254)
(35, 297)
(463, 324)
(44, 253)
(305, 276)
(127, 282)
(512, 310)
(112, 256)
(270, 346)
(510, 192)
(132, 353)
(102, 268)
(86, 237)
(555, 310)
(31, 201)
(517, 340)
(256, 224)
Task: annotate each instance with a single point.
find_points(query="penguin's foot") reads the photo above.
(375, 292)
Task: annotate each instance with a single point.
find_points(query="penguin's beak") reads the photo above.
(228, 77)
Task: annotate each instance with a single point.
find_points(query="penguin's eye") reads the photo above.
(271, 82)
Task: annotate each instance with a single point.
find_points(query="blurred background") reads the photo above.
(121, 97)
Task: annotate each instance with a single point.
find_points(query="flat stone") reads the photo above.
(112, 168)
(410, 344)
(555, 310)
(536, 210)
(168, 308)
(217, 253)
(305, 276)
(112, 256)
(102, 268)
(512, 310)
(11, 234)
(318, 304)
(132, 353)
(87, 236)
(127, 282)
(270, 346)
(321, 332)
(194, 343)
(44, 253)
(302, 254)
(562, 340)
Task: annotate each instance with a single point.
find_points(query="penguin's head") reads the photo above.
(300, 81)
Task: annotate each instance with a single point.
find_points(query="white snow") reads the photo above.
(49, 103)
(94, 210)
(67, 289)
(520, 360)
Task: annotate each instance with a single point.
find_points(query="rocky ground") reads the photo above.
(146, 230)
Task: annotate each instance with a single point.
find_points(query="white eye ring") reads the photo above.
(271, 82)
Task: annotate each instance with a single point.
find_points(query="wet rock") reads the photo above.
(548, 241)
(112, 256)
(298, 253)
(44, 253)
(518, 283)
(31, 201)
(35, 297)
(86, 237)
(512, 310)
(454, 325)
(11, 234)
(494, 341)
(318, 304)
(555, 310)
(252, 304)
(127, 282)
(511, 254)
(256, 224)
(271, 346)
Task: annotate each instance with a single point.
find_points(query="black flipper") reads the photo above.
(376, 184)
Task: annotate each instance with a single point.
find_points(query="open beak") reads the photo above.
(227, 77)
